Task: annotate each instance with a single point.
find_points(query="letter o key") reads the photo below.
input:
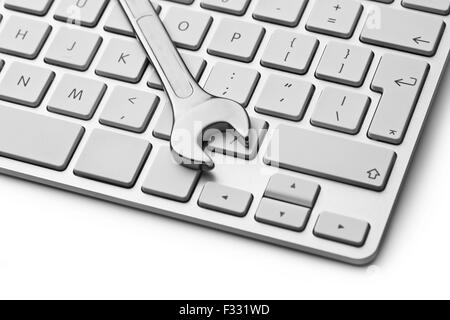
(183, 26)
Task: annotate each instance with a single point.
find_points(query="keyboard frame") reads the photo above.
(374, 207)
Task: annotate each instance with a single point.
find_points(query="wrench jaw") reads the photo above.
(188, 134)
(187, 149)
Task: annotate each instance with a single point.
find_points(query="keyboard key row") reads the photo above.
(51, 143)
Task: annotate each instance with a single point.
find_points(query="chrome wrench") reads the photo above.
(194, 110)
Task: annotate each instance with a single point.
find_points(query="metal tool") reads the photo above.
(194, 110)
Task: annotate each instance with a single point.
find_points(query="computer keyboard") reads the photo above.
(338, 92)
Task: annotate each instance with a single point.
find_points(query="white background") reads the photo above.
(55, 244)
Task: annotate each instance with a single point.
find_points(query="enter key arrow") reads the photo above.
(401, 82)
(419, 40)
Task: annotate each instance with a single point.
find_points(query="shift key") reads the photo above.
(332, 157)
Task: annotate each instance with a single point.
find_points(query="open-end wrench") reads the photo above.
(194, 110)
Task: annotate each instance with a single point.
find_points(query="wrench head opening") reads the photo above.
(188, 141)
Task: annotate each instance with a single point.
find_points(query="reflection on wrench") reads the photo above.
(194, 110)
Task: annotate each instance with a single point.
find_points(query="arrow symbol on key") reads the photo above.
(282, 214)
(401, 82)
(419, 40)
(132, 100)
(225, 197)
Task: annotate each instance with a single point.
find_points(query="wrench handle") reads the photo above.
(175, 76)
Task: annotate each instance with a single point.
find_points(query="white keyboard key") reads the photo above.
(291, 52)
(285, 98)
(232, 82)
(123, 60)
(23, 37)
(228, 143)
(293, 190)
(342, 229)
(168, 179)
(25, 84)
(117, 21)
(283, 12)
(187, 28)
(340, 110)
(163, 128)
(283, 215)
(85, 12)
(345, 64)
(77, 97)
(433, 6)
(225, 199)
(183, 1)
(129, 109)
(74, 49)
(400, 80)
(403, 30)
(334, 18)
(195, 64)
(37, 139)
(112, 158)
(36, 7)
(236, 40)
(236, 7)
(331, 157)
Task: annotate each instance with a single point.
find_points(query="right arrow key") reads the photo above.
(403, 30)
(342, 229)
